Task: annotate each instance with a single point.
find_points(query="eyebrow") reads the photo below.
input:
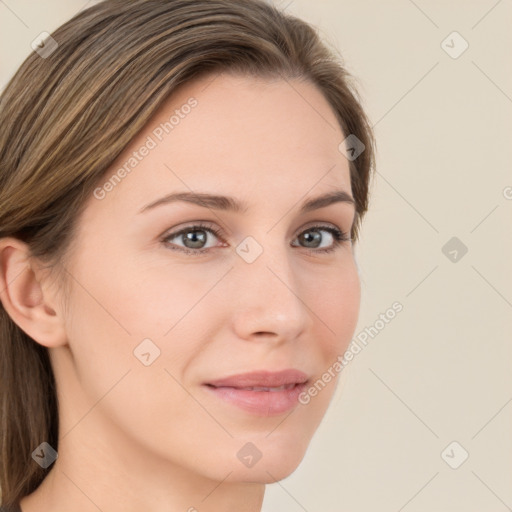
(220, 202)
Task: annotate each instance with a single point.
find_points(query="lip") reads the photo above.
(262, 378)
(233, 390)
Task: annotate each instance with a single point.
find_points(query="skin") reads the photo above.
(136, 437)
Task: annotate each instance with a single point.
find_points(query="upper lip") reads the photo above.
(262, 379)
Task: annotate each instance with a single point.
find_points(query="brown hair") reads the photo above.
(66, 117)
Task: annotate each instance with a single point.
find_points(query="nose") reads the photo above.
(271, 302)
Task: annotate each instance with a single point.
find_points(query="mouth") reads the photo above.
(257, 388)
(261, 393)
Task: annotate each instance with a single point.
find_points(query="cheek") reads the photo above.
(336, 308)
(124, 308)
(109, 319)
(140, 297)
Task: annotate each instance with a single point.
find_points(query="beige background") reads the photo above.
(440, 371)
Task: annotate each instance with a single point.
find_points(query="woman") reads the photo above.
(181, 187)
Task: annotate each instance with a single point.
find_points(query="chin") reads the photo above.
(276, 461)
(272, 471)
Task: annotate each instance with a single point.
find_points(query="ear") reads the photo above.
(24, 296)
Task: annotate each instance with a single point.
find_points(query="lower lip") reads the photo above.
(261, 403)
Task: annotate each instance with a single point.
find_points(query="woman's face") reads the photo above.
(151, 325)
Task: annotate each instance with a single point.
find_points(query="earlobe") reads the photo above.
(22, 295)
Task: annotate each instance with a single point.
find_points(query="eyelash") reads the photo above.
(339, 238)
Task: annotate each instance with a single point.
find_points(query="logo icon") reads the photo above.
(351, 147)
(44, 455)
(44, 45)
(146, 352)
(454, 249)
(249, 455)
(454, 45)
(249, 249)
(454, 455)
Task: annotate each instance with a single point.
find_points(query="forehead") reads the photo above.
(251, 138)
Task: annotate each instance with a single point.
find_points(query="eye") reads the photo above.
(313, 238)
(195, 238)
